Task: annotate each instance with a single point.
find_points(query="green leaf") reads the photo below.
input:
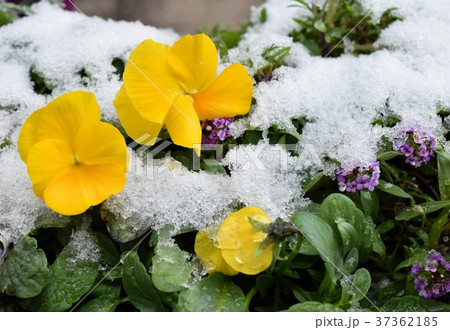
(24, 273)
(215, 293)
(171, 270)
(349, 236)
(323, 238)
(437, 227)
(351, 261)
(314, 306)
(263, 283)
(138, 285)
(320, 26)
(415, 304)
(417, 255)
(424, 208)
(120, 229)
(388, 155)
(101, 304)
(313, 182)
(386, 226)
(213, 166)
(360, 284)
(70, 278)
(444, 174)
(338, 208)
(7, 17)
(108, 249)
(392, 189)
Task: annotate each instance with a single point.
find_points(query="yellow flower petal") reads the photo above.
(210, 255)
(229, 95)
(60, 119)
(138, 128)
(238, 241)
(193, 60)
(100, 143)
(183, 124)
(84, 186)
(48, 160)
(149, 81)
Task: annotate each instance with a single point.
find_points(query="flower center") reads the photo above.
(75, 160)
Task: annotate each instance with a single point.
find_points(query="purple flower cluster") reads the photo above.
(359, 178)
(216, 130)
(433, 280)
(416, 144)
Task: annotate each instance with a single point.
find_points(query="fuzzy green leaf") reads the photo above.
(171, 270)
(24, 273)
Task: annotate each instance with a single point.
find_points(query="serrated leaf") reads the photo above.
(69, 279)
(314, 306)
(215, 293)
(392, 189)
(138, 285)
(24, 273)
(323, 238)
(171, 270)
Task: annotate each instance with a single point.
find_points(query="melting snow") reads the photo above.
(339, 97)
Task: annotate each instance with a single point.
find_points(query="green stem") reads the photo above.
(291, 257)
(249, 297)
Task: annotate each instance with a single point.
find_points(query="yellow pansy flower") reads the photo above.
(211, 255)
(73, 159)
(177, 87)
(237, 242)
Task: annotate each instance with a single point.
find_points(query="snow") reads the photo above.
(339, 97)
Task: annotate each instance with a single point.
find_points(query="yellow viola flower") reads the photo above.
(73, 159)
(206, 247)
(237, 242)
(177, 87)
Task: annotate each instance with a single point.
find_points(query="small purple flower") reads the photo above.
(414, 161)
(423, 150)
(419, 138)
(416, 144)
(407, 149)
(420, 283)
(222, 135)
(362, 182)
(438, 290)
(436, 256)
(431, 265)
(415, 269)
(358, 178)
(425, 293)
(447, 286)
(351, 186)
(446, 265)
(219, 122)
(216, 130)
